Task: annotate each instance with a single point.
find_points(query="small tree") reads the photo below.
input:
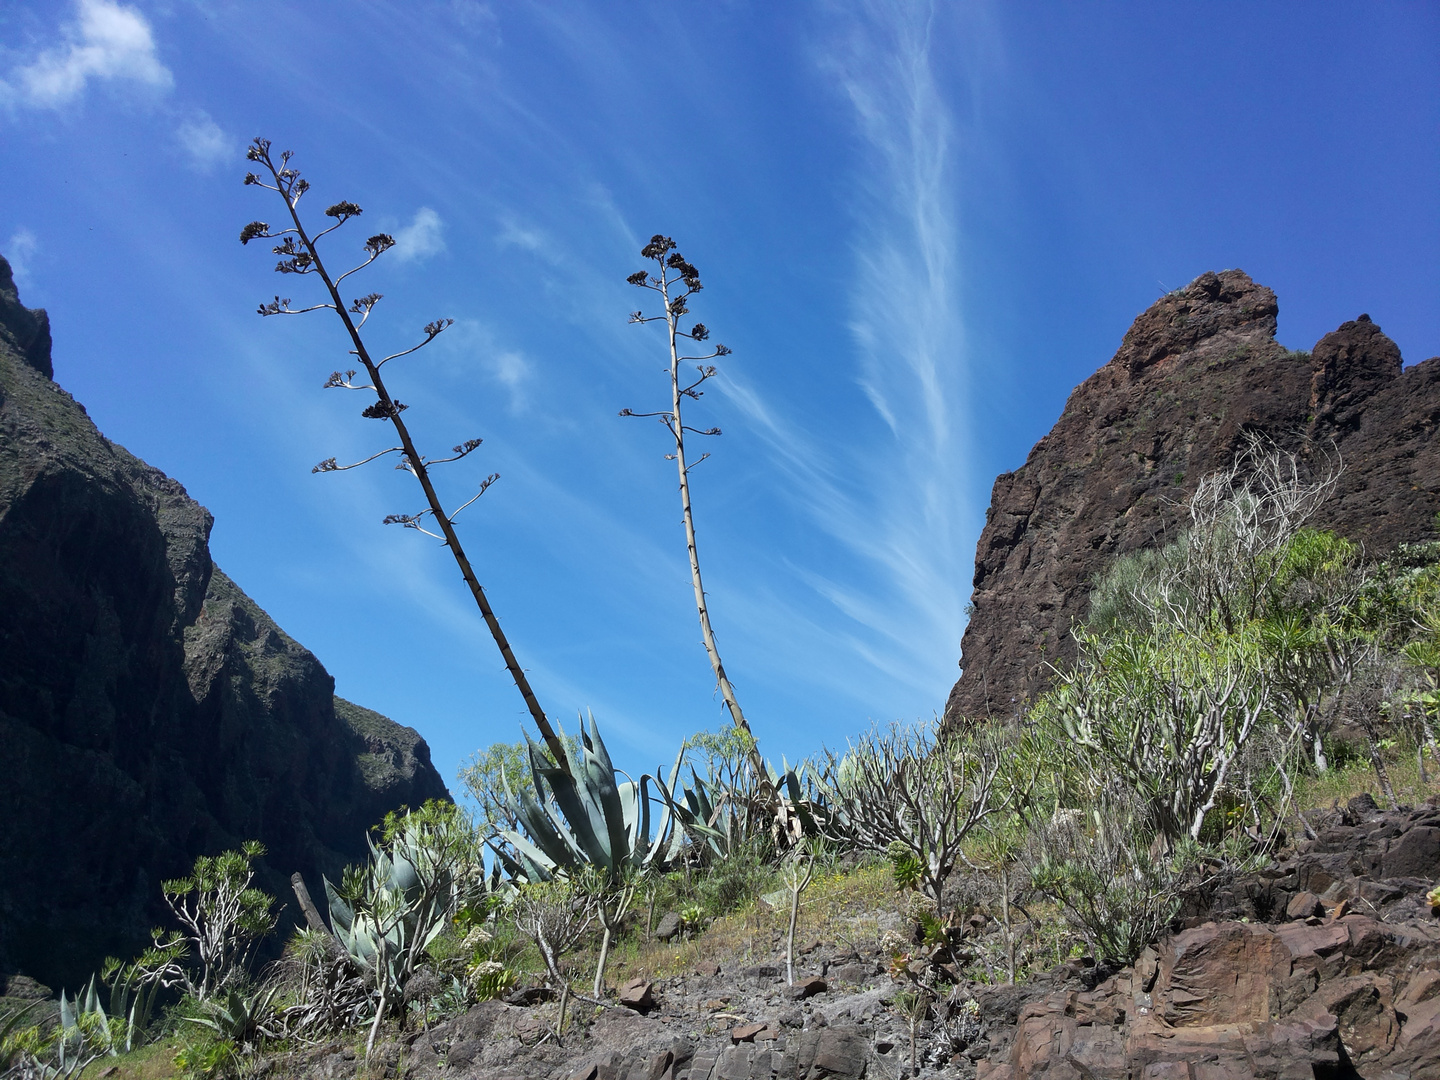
(675, 281)
(1222, 573)
(1102, 868)
(223, 919)
(799, 872)
(914, 793)
(556, 915)
(489, 771)
(300, 254)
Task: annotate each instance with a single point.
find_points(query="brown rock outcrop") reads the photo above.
(1353, 994)
(1193, 374)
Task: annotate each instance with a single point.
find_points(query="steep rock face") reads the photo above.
(1194, 373)
(149, 710)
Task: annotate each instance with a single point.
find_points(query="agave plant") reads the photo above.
(240, 1018)
(84, 1034)
(592, 829)
(122, 1029)
(132, 1000)
(590, 818)
(388, 913)
(724, 812)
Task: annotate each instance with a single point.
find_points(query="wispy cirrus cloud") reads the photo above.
(106, 42)
(907, 517)
(470, 344)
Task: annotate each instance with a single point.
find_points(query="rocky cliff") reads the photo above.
(149, 710)
(1194, 373)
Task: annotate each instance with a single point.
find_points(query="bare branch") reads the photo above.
(343, 211)
(363, 306)
(432, 331)
(328, 465)
(483, 486)
(343, 381)
(376, 246)
(464, 449)
(412, 521)
(282, 307)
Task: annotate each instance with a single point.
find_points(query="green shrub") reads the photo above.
(905, 865)
(1106, 871)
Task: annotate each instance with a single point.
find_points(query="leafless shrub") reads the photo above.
(1167, 716)
(326, 994)
(1221, 570)
(923, 791)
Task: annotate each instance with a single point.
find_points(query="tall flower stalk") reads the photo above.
(675, 280)
(300, 254)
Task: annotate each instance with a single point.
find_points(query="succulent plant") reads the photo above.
(389, 912)
(590, 818)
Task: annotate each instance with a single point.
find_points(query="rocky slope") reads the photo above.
(1194, 373)
(1325, 964)
(149, 710)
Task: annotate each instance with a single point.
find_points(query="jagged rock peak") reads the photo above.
(1195, 372)
(1227, 303)
(26, 330)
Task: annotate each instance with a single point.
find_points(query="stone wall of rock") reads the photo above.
(149, 710)
(1193, 375)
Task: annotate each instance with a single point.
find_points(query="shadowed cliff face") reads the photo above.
(150, 712)
(1194, 373)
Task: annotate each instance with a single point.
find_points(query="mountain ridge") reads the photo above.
(150, 711)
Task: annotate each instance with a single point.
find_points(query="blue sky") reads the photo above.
(919, 227)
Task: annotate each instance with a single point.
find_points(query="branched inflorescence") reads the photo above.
(675, 280)
(300, 254)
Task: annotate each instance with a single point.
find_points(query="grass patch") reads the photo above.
(1335, 787)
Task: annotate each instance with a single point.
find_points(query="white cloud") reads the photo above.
(476, 17)
(511, 370)
(19, 250)
(204, 141)
(470, 345)
(898, 504)
(527, 238)
(107, 41)
(421, 238)
(905, 320)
